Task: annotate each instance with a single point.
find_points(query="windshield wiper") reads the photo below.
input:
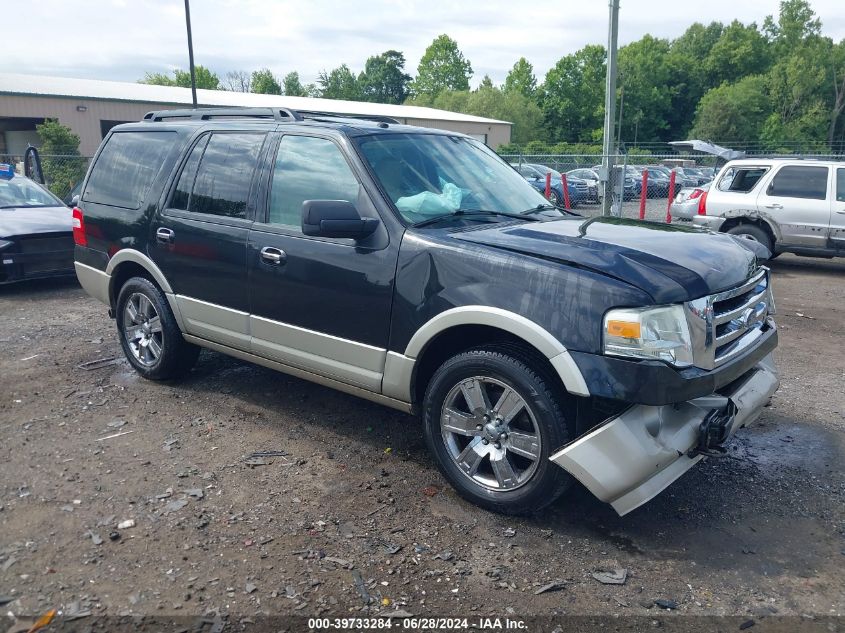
(462, 213)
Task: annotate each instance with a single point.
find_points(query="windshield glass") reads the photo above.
(432, 175)
(22, 192)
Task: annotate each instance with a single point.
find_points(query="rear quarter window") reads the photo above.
(741, 179)
(126, 168)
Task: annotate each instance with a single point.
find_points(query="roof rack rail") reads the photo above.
(313, 114)
(205, 114)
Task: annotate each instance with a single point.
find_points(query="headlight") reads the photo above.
(5, 244)
(659, 333)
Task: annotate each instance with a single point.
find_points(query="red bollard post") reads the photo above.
(671, 197)
(565, 186)
(548, 185)
(643, 194)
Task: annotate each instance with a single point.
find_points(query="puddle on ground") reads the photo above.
(774, 447)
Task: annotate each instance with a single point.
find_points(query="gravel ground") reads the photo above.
(352, 518)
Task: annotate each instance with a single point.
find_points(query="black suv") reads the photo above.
(415, 268)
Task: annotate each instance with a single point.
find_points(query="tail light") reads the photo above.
(702, 204)
(79, 237)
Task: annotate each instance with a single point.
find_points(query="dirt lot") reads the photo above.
(354, 512)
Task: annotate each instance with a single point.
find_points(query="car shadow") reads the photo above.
(787, 264)
(35, 287)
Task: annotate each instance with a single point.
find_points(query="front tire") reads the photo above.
(492, 421)
(149, 334)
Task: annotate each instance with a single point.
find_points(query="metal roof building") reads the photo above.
(91, 108)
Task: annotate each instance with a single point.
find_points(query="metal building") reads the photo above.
(92, 107)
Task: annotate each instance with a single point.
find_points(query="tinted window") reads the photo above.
(126, 168)
(182, 194)
(741, 180)
(225, 173)
(840, 185)
(308, 168)
(800, 182)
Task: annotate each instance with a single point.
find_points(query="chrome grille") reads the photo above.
(725, 324)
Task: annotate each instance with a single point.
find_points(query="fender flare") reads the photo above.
(137, 257)
(517, 325)
(754, 218)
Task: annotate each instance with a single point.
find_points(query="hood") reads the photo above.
(26, 220)
(670, 263)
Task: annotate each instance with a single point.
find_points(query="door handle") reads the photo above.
(841, 212)
(275, 256)
(774, 206)
(165, 235)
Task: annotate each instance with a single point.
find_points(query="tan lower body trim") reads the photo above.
(301, 373)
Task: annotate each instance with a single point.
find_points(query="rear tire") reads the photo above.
(504, 466)
(149, 334)
(753, 232)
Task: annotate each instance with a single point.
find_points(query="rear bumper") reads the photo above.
(711, 222)
(631, 458)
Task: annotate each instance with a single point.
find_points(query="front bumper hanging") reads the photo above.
(630, 459)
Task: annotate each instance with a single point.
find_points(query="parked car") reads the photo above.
(35, 230)
(682, 179)
(695, 172)
(592, 180)
(794, 206)
(688, 201)
(536, 176)
(414, 268)
(658, 182)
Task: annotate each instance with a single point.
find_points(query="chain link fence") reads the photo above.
(62, 173)
(629, 179)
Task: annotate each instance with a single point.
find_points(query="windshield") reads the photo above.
(433, 175)
(22, 192)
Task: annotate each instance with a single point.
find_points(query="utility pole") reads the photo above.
(191, 54)
(608, 148)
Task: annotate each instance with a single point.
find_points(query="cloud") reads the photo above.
(123, 39)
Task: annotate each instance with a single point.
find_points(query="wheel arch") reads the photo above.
(128, 263)
(458, 329)
(764, 223)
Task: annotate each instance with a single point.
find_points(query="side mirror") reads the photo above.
(74, 201)
(335, 218)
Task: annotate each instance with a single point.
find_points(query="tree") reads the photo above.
(442, 67)
(796, 22)
(264, 82)
(60, 159)
(292, 86)
(740, 51)
(572, 95)
(237, 81)
(486, 83)
(205, 78)
(340, 83)
(645, 73)
(384, 79)
(521, 79)
(733, 112)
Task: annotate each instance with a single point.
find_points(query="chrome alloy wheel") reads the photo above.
(490, 433)
(142, 329)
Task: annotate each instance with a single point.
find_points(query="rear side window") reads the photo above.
(217, 176)
(840, 185)
(741, 179)
(800, 182)
(126, 168)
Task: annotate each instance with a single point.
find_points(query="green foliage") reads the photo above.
(206, 79)
(442, 67)
(521, 79)
(733, 112)
(645, 76)
(384, 79)
(264, 82)
(572, 96)
(340, 83)
(740, 51)
(60, 159)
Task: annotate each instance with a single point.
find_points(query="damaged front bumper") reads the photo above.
(633, 457)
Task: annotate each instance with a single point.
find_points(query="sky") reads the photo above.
(123, 39)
